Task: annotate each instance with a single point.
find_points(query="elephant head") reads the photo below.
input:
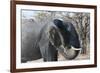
(58, 36)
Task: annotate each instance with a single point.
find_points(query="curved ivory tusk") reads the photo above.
(76, 48)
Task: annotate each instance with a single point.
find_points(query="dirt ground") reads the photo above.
(61, 58)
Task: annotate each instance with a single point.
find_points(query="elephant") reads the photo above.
(58, 35)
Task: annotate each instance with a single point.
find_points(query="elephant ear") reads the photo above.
(74, 38)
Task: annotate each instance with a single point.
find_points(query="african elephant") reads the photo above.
(58, 36)
(55, 36)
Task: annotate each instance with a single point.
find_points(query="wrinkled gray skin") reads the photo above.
(49, 52)
(46, 41)
(29, 33)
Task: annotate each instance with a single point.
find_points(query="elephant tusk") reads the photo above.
(76, 48)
